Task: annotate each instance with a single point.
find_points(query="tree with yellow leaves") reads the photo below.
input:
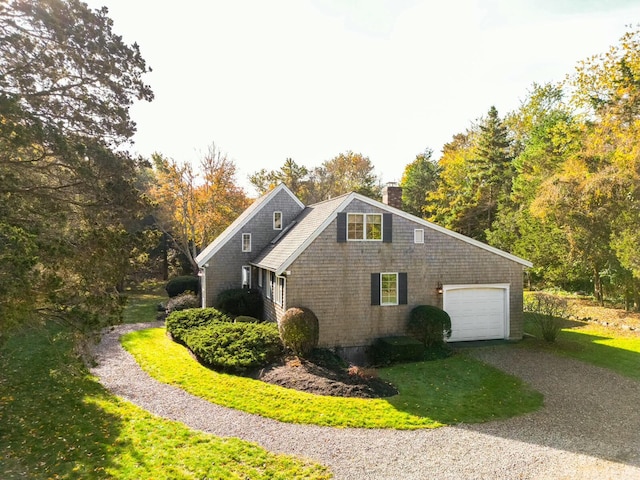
(192, 207)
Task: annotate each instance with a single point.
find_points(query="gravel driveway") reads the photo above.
(589, 427)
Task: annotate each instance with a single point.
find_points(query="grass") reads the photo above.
(58, 422)
(432, 394)
(142, 307)
(597, 345)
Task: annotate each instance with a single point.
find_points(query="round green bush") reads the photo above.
(179, 285)
(429, 324)
(299, 330)
(235, 347)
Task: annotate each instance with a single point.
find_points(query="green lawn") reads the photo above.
(432, 394)
(142, 307)
(56, 421)
(596, 345)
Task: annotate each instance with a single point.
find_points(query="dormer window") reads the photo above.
(277, 220)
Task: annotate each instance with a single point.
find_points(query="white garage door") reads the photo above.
(478, 312)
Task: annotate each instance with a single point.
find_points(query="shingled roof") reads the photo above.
(238, 223)
(285, 248)
(312, 220)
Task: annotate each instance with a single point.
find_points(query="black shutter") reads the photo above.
(342, 227)
(402, 288)
(375, 289)
(387, 227)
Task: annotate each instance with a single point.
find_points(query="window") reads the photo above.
(418, 235)
(271, 285)
(246, 242)
(364, 226)
(389, 289)
(277, 220)
(279, 291)
(246, 276)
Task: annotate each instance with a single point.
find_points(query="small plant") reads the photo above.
(299, 330)
(179, 285)
(183, 301)
(547, 312)
(429, 325)
(240, 301)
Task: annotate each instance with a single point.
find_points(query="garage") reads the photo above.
(478, 312)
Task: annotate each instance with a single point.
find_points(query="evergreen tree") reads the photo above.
(420, 177)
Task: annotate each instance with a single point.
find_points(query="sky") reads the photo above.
(309, 79)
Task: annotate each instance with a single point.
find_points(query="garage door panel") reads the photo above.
(477, 313)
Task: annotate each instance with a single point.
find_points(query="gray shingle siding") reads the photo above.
(225, 267)
(334, 279)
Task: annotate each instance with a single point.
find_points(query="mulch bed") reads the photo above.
(326, 379)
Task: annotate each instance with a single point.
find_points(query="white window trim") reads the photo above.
(364, 228)
(244, 248)
(270, 285)
(418, 235)
(382, 303)
(246, 268)
(274, 221)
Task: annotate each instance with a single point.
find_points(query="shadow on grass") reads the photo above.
(51, 423)
(142, 307)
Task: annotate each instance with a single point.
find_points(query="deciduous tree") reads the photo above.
(194, 207)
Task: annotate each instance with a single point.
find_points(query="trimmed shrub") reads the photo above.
(179, 323)
(429, 325)
(235, 347)
(240, 301)
(245, 319)
(299, 330)
(179, 285)
(388, 350)
(183, 301)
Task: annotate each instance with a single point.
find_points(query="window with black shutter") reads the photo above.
(389, 288)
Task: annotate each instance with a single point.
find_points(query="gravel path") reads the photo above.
(588, 429)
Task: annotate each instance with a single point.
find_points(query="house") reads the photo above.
(361, 266)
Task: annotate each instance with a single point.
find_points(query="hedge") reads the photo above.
(180, 322)
(235, 347)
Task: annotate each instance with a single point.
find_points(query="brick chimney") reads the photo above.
(392, 195)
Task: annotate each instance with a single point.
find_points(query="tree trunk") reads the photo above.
(597, 286)
(165, 257)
